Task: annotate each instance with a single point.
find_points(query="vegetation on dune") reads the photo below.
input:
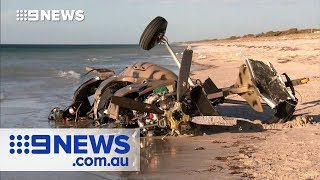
(267, 34)
(276, 33)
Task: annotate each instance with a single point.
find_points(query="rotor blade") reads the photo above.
(135, 105)
(184, 73)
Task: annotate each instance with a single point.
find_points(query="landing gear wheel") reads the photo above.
(153, 33)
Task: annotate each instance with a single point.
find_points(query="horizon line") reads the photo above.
(66, 44)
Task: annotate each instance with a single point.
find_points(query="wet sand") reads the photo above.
(243, 151)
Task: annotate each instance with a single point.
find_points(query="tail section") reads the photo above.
(252, 95)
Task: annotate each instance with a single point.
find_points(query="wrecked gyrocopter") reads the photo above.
(154, 99)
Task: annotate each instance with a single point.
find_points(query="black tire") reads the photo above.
(153, 32)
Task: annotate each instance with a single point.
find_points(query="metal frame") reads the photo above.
(176, 60)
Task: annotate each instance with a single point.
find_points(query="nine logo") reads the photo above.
(50, 15)
(69, 149)
(76, 144)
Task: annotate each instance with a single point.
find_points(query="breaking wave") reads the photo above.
(69, 74)
(92, 59)
(103, 58)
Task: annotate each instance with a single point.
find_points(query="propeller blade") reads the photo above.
(184, 73)
(135, 105)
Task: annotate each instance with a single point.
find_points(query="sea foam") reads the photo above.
(69, 74)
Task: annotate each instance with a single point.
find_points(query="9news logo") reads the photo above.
(69, 149)
(50, 15)
(41, 144)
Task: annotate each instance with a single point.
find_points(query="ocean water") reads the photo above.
(36, 78)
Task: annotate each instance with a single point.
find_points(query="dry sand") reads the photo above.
(250, 149)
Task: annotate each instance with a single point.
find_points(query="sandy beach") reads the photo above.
(250, 149)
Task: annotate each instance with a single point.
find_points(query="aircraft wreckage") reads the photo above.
(156, 100)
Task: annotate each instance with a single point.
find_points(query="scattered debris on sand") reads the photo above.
(298, 121)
